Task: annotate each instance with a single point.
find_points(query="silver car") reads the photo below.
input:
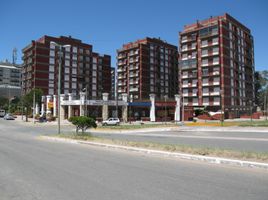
(8, 116)
(111, 121)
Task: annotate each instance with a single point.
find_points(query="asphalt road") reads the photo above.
(32, 168)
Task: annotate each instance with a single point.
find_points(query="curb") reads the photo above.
(209, 159)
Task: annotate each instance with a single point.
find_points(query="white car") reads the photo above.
(2, 113)
(111, 121)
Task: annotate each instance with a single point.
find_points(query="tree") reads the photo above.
(27, 100)
(4, 103)
(261, 87)
(83, 123)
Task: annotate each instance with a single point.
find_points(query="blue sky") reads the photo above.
(107, 24)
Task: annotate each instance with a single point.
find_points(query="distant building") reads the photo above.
(147, 66)
(217, 65)
(81, 68)
(10, 80)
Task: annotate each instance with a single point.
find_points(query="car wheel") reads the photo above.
(117, 124)
(104, 124)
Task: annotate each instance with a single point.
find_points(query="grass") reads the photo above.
(228, 124)
(136, 126)
(205, 151)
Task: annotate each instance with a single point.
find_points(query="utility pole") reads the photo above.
(265, 105)
(60, 55)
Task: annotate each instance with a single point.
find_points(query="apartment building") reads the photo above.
(147, 66)
(217, 65)
(81, 67)
(113, 82)
(10, 80)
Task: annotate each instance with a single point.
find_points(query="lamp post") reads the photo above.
(165, 97)
(131, 100)
(85, 102)
(59, 77)
(222, 106)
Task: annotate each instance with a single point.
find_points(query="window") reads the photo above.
(51, 76)
(74, 71)
(216, 60)
(193, 45)
(204, 62)
(75, 49)
(67, 70)
(204, 43)
(66, 78)
(94, 60)
(74, 85)
(215, 50)
(51, 61)
(215, 40)
(204, 52)
(67, 63)
(66, 84)
(184, 38)
(51, 68)
(184, 47)
(52, 53)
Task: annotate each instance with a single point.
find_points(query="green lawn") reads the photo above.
(136, 126)
(206, 151)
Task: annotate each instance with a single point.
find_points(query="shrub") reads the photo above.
(82, 123)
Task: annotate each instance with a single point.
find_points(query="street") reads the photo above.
(32, 168)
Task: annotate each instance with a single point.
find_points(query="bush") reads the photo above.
(82, 123)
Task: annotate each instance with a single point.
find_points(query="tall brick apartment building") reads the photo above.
(81, 67)
(147, 66)
(217, 65)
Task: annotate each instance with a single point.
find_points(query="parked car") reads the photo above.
(111, 121)
(9, 116)
(2, 113)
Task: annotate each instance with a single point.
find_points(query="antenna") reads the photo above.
(14, 56)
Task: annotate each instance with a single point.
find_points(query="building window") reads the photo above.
(51, 61)
(51, 76)
(67, 63)
(74, 49)
(67, 70)
(51, 68)
(74, 71)
(204, 43)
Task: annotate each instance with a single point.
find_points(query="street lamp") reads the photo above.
(222, 107)
(165, 97)
(131, 110)
(59, 77)
(85, 105)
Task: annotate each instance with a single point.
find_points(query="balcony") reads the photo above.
(121, 77)
(121, 90)
(120, 70)
(133, 82)
(133, 74)
(133, 67)
(133, 89)
(216, 103)
(121, 83)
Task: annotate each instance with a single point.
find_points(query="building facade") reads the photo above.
(82, 69)
(147, 66)
(217, 65)
(10, 80)
(113, 83)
